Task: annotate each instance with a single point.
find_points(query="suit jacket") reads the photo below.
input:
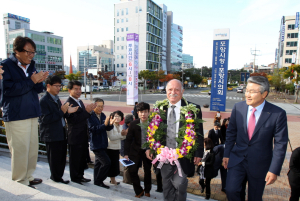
(216, 138)
(219, 152)
(133, 142)
(187, 165)
(51, 127)
(294, 173)
(77, 124)
(259, 151)
(209, 165)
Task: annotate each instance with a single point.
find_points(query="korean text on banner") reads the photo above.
(219, 70)
(297, 20)
(132, 68)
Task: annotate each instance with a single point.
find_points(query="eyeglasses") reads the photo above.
(30, 53)
(56, 85)
(117, 117)
(252, 92)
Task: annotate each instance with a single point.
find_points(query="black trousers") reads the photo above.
(102, 165)
(158, 178)
(77, 161)
(133, 170)
(205, 185)
(88, 158)
(56, 154)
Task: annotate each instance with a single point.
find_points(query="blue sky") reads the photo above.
(252, 23)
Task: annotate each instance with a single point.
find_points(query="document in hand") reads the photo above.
(126, 162)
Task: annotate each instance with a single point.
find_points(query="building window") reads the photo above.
(291, 27)
(122, 65)
(291, 44)
(118, 66)
(118, 56)
(290, 52)
(117, 12)
(122, 38)
(126, 19)
(36, 37)
(136, 9)
(140, 8)
(122, 57)
(122, 29)
(122, 12)
(126, 28)
(17, 25)
(117, 47)
(117, 38)
(117, 29)
(122, 20)
(117, 20)
(54, 41)
(126, 11)
(288, 60)
(292, 35)
(122, 47)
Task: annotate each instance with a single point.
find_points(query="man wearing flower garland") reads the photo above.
(177, 129)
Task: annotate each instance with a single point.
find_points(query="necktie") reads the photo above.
(251, 124)
(171, 130)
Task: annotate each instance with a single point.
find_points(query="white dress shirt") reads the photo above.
(77, 100)
(257, 113)
(177, 113)
(24, 69)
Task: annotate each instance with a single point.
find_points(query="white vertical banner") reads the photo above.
(132, 68)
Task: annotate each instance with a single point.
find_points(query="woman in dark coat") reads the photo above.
(224, 126)
(206, 167)
(294, 175)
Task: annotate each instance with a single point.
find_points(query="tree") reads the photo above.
(169, 77)
(146, 75)
(72, 76)
(259, 74)
(108, 76)
(61, 74)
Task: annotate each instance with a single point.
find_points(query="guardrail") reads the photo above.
(5, 144)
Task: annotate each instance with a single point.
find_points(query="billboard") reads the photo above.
(297, 20)
(245, 77)
(282, 28)
(219, 69)
(132, 68)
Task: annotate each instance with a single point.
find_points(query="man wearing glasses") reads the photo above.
(53, 127)
(21, 109)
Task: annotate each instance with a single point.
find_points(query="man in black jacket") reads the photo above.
(78, 133)
(98, 125)
(21, 109)
(133, 150)
(294, 175)
(215, 134)
(52, 127)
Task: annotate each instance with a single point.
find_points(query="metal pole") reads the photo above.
(85, 72)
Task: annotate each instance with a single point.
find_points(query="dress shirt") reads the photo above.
(24, 69)
(257, 113)
(55, 98)
(177, 113)
(77, 100)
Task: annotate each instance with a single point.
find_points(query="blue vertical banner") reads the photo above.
(297, 20)
(219, 70)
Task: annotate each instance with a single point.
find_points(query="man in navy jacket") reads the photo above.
(52, 127)
(98, 125)
(256, 141)
(21, 85)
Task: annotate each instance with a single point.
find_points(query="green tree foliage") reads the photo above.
(74, 76)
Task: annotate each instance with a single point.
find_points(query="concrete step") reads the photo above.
(74, 191)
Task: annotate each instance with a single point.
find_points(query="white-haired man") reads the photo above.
(175, 186)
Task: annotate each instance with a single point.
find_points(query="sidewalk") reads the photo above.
(279, 191)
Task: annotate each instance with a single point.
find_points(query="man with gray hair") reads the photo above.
(249, 149)
(174, 185)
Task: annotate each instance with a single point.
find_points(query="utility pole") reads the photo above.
(254, 57)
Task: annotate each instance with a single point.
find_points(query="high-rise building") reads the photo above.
(174, 44)
(288, 51)
(49, 47)
(96, 57)
(143, 17)
(187, 61)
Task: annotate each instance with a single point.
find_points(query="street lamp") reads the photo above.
(85, 68)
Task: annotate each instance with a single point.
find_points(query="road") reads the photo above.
(192, 95)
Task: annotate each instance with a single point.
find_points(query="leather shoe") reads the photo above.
(78, 182)
(115, 183)
(147, 194)
(140, 195)
(31, 186)
(159, 190)
(64, 181)
(223, 190)
(103, 186)
(207, 197)
(35, 181)
(85, 180)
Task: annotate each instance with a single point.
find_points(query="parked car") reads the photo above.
(124, 88)
(239, 90)
(95, 88)
(229, 88)
(209, 92)
(163, 91)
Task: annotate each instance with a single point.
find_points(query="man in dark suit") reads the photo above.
(249, 150)
(53, 128)
(136, 137)
(78, 133)
(294, 175)
(215, 134)
(174, 186)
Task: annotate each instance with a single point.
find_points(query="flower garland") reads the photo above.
(186, 136)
